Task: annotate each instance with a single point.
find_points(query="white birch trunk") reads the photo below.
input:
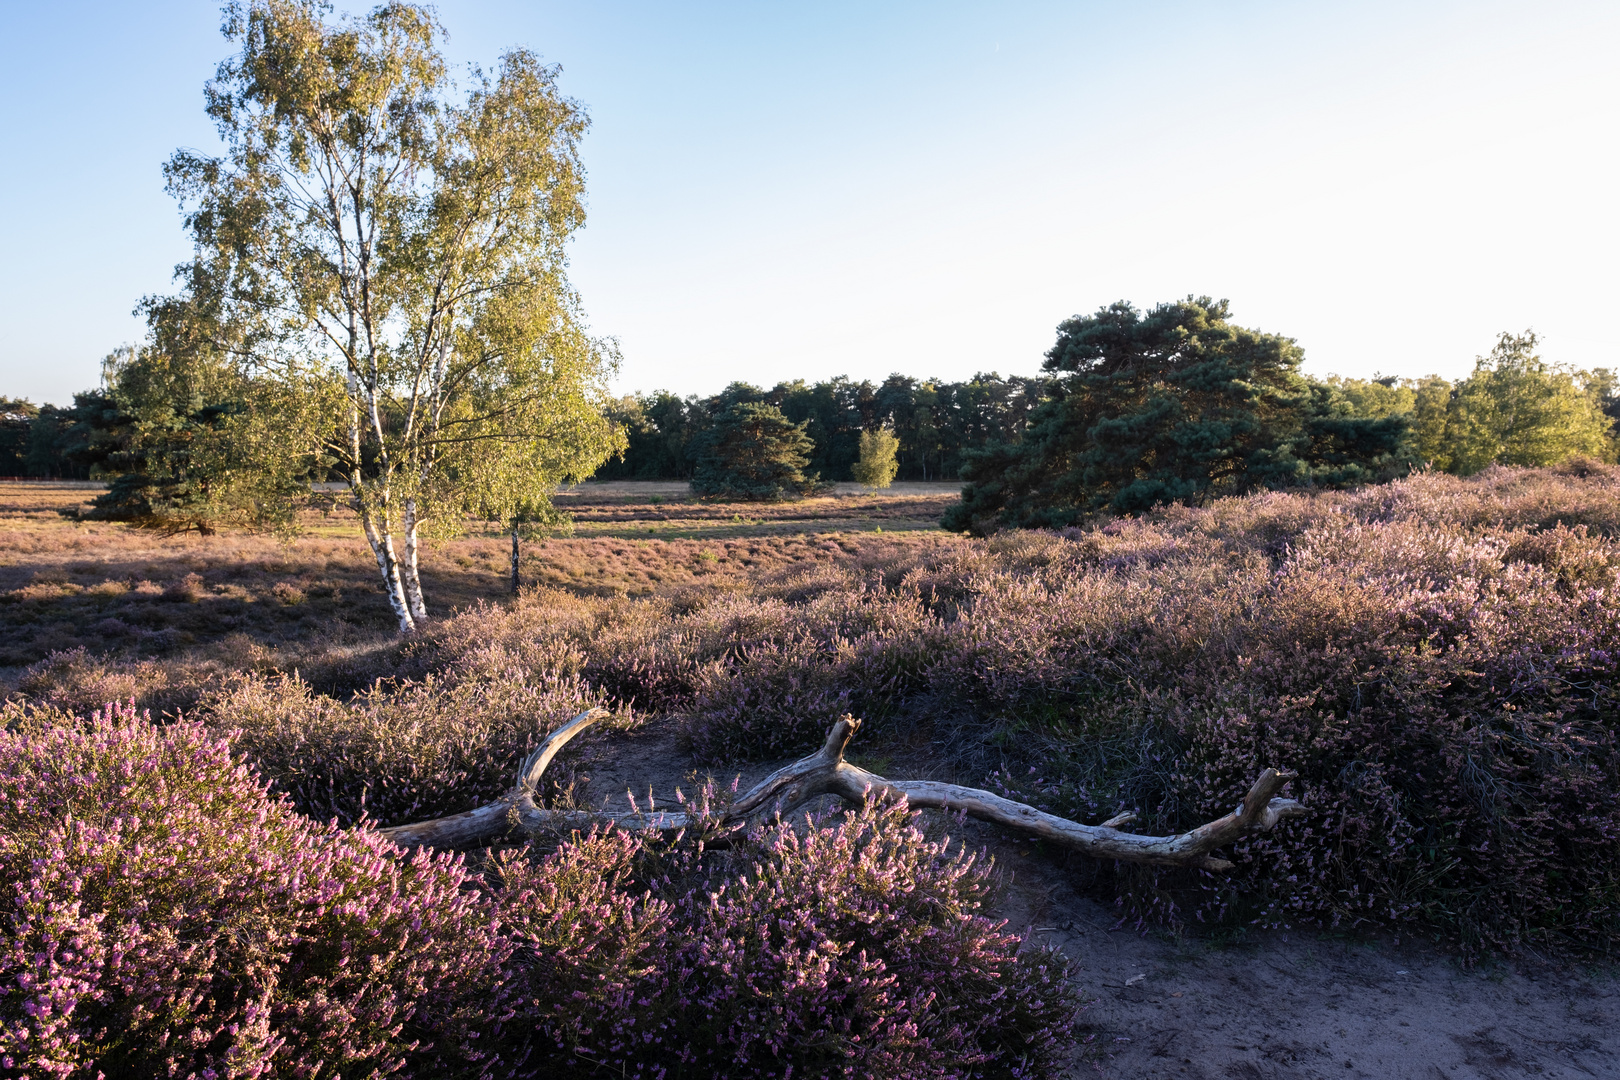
(411, 571)
(413, 580)
(382, 546)
(379, 536)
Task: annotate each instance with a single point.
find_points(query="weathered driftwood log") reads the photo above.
(827, 773)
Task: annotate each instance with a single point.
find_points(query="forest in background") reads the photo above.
(935, 421)
(939, 423)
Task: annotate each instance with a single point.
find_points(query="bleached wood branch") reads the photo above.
(517, 813)
(825, 772)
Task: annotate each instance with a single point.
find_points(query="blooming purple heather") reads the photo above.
(167, 917)
(1436, 658)
(857, 947)
(163, 916)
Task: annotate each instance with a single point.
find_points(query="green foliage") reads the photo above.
(877, 465)
(1353, 438)
(935, 422)
(1378, 397)
(193, 445)
(17, 417)
(1173, 405)
(1514, 409)
(50, 441)
(1604, 386)
(753, 452)
(1431, 405)
(659, 428)
(1295, 430)
(1517, 409)
(366, 230)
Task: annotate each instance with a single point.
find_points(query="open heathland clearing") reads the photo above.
(1434, 657)
(124, 592)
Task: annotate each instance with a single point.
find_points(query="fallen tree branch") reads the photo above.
(517, 813)
(827, 773)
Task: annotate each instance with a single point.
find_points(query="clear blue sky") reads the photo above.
(804, 190)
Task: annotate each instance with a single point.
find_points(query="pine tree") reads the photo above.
(1176, 404)
(753, 452)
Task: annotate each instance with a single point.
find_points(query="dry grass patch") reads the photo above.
(127, 613)
(643, 567)
(629, 510)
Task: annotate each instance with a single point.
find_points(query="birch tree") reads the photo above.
(1518, 409)
(370, 221)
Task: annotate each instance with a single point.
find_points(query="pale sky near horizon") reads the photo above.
(782, 191)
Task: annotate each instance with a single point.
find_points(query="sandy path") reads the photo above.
(1311, 1005)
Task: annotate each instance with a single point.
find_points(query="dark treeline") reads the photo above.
(935, 421)
(50, 441)
(1514, 409)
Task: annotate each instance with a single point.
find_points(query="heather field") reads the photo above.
(1435, 657)
(132, 595)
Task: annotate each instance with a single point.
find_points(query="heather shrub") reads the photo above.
(857, 948)
(1498, 496)
(544, 628)
(77, 682)
(785, 673)
(395, 754)
(1452, 711)
(797, 584)
(588, 941)
(630, 650)
(852, 947)
(1435, 656)
(1447, 696)
(767, 703)
(754, 675)
(164, 916)
(1577, 559)
(1499, 829)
